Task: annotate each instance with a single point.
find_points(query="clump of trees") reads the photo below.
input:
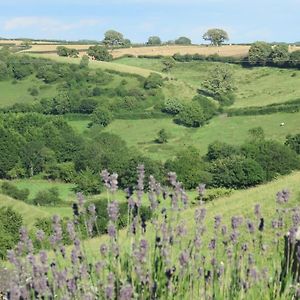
(99, 53)
(183, 41)
(67, 52)
(262, 54)
(154, 40)
(216, 36)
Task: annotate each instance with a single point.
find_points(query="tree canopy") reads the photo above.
(113, 38)
(154, 40)
(183, 41)
(216, 36)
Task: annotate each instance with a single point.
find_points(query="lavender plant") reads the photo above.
(172, 256)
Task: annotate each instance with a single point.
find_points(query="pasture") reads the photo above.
(254, 86)
(17, 92)
(142, 133)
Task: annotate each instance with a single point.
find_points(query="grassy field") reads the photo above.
(241, 203)
(35, 185)
(254, 86)
(142, 133)
(18, 92)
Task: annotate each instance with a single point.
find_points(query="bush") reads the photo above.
(219, 150)
(12, 191)
(88, 182)
(208, 106)
(99, 53)
(172, 106)
(48, 197)
(101, 116)
(259, 53)
(293, 141)
(10, 225)
(183, 41)
(236, 172)
(191, 115)
(273, 157)
(63, 171)
(153, 81)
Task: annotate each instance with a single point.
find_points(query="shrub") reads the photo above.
(183, 41)
(88, 182)
(273, 157)
(12, 191)
(162, 137)
(259, 53)
(293, 141)
(172, 106)
(153, 81)
(236, 172)
(99, 53)
(208, 106)
(101, 116)
(219, 150)
(48, 197)
(10, 225)
(63, 171)
(191, 115)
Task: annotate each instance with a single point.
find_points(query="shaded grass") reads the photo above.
(234, 130)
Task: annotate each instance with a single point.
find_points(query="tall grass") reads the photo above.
(166, 258)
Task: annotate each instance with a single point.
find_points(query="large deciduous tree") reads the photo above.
(280, 54)
(219, 84)
(113, 38)
(183, 41)
(216, 36)
(99, 53)
(154, 40)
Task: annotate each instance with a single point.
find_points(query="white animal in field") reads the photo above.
(282, 124)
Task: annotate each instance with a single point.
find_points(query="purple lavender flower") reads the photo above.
(200, 214)
(224, 230)
(71, 230)
(113, 182)
(40, 235)
(283, 196)
(103, 249)
(111, 230)
(184, 258)
(105, 177)
(250, 226)
(126, 292)
(201, 190)
(43, 257)
(113, 210)
(172, 178)
(257, 210)
(218, 220)
(212, 244)
(80, 199)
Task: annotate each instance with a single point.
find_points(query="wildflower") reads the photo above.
(218, 220)
(200, 215)
(103, 249)
(40, 235)
(113, 182)
(126, 292)
(184, 258)
(212, 244)
(261, 224)
(283, 196)
(172, 178)
(257, 211)
(201, 190)
(111, 230)
(250, 226)
(80, 199)
(224, 230)
(113, 210)
(71, 230)
(105, 177)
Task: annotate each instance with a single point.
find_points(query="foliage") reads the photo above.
(69, 52)
(12, 191)
(153, 81)
(273, 157)
(162, 137)
(259, 53)
(236, 172)
(101, 116)
(191, 115)
(190, 168)
(48, 197)
(209, 108)
(63, 171)
(99, 53)
(154, 40)
(10, 225)
(256, 134)
(216, 36)
(295, 59)
(280, 54)
(183, 41)
(172, 106)
(293, 141)
(113, 38)
(219, 150)
(84, 62)
(88, 182)
(219, 84)
(168, 63)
